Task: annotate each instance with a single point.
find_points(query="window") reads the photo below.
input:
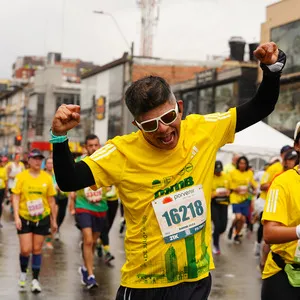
(287, 37)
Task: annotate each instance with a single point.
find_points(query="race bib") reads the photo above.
(93, 196)
(243, 189)
(35, 207)
(181, 214)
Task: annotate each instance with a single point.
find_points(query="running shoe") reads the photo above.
(35, 286)
(230, 233)
(57, 236)
(22, 281)
(91, 282)
(237, 239)
(216, 250)
(49, 246)
(84, 275)
(108, 257)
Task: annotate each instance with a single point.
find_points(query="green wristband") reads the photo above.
(57, 139)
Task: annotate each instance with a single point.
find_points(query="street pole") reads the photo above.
(116, 23)
(125, 77)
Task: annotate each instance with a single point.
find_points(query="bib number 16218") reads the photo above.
(182, 214)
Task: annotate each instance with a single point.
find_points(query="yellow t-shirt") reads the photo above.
(3, 178)
(269, 175)
(242, 180)
(34, 193)
(143, 173)
(221, 181)
(283, 206)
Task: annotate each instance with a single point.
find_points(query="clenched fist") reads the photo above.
(65, 118)
(267, 53)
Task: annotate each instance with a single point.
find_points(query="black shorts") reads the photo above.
(198, 290)
(277, 287)
(41, 227)
(86, 220)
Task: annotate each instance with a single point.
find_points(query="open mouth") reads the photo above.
(168, 139)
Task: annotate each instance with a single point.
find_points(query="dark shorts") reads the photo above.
(198, 290)
(277, 287)
(86, 220)
(242, 208)
(41, 227)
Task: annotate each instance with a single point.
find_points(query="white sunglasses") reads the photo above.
(152, 125)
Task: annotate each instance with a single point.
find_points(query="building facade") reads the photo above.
(25, 67)
(283, 27)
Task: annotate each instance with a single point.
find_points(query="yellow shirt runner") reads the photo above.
(166, 196)
(242, 180)
(34, 193)
(283, 206)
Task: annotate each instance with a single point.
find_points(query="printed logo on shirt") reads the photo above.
(156, 183)
(189, 181)
(188, 168)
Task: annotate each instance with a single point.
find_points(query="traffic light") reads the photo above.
(18, 140)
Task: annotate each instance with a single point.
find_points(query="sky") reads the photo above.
(186, 29)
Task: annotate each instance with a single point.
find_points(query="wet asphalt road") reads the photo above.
(236, 275)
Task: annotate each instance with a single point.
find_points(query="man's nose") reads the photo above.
(162, 127)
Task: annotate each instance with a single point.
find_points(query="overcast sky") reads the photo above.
(187, 29)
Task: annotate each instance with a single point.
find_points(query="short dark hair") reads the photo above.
(147, 93)
(90, 137)
(245, 159)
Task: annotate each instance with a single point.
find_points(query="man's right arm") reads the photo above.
(70, 176)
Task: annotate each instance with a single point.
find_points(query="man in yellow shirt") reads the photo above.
(163, 173)
(281, 218)
(219, 204)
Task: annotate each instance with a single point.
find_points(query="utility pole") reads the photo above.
(149, 19)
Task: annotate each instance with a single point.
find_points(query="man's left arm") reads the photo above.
(272, 61)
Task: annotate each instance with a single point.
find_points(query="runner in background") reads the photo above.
(219, 204)
(61, 198)
(13, 168)
(34, 213)
(90, 209)
(103, 242)
(243, 186)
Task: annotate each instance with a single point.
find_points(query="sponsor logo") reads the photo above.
(189, 181)
(188, 168)
(156, 183)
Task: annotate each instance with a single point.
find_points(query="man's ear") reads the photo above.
(180, 106)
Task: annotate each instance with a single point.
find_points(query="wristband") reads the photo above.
(275, 69)
(57, 139)
(298, 231)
